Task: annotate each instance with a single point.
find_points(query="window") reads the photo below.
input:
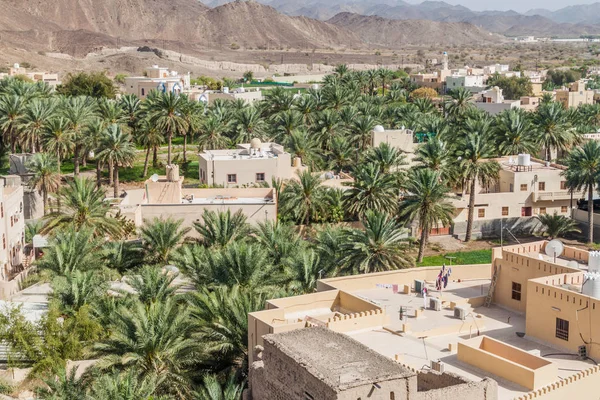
(231, 178)
(4, 241)
(564, 209)
(563, 185)
(260, 177)
(541, 186)
(562, 329)
(542, 210)
(504, 211)
(516, 291)
(2, 210)
(481, 213)
(11, 221)
(523, 187)
(143, 92)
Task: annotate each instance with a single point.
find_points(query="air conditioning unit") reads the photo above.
(582, 351)
(437, 366)
(419, 285)
(460, 313)
(435, 304)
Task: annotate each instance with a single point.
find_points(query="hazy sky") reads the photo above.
(517, 5)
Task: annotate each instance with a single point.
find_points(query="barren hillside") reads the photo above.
(394, 33)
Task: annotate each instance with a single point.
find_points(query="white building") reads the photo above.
(474, 83)
(248, 95)
(157, 78)
(493, 101)
(49, 78)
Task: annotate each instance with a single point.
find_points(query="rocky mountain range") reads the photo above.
(569, 21)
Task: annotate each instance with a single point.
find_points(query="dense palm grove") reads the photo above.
(165, 314)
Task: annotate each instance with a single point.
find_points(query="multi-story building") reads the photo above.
(402, 139)
(12, 234)
(575, 95)
(492, 101)
(249, 164)
(157, 78)
(523, 326)
(526, 187)
(474, 83)
(249, 96)
(530, 103)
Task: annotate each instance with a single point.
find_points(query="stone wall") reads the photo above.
(491, 228)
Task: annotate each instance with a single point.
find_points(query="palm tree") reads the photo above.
(583, 174)
(63, 386)
(45, 176)
(300, 275)
(514, 130)
(555, 226)
(279, 239)
(161, 237)
(460, 101)
(192, 112)
(156, 341)
(151, 284)
(250, 124)
(361, 130)
(302, 144)
(124, 386)
(117, 150)
(388, 158)
(301, 198)
(379, 247)
(33, 124)
(11, 113)
(222, 314)
(212, 389)
(76, 289)
(554, 131)
(165, 112)
(342, 154)
(83, 206)
(475, 149)
(222, 228)
(372, 189)
(73, 250)
(435, 154)
(123, 256)
(58, 138)
(211, 134)
(385, 75)
(341, 70)
(79, 112)
(151, 138)
(426, 202)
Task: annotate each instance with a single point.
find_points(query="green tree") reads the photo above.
(514, 132)
(124, 386)
(372, 189)
(92, 84)
(152, 284)
(73, 250)
(160, 237)
(554, 131)
(63, 386)
(301, 198)
(58, 138)
(381, 246)
(116, 150)
(426, 203)
(556, 226)
(165, 112)
(213, 389)
(219, 229)
(45, 176)
(583, 174)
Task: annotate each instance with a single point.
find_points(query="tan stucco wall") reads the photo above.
(582, 385)
(245, 169)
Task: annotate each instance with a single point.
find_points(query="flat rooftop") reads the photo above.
(230, 200)
(509, 163)
(338, 360)
(431, 333)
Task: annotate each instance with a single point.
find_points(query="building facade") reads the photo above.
(575, 95)
(249, 164)
(157, 78)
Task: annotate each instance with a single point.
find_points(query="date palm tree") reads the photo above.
(426, 202)
(156, 341)
(79, 112)
(554, 131)
(165, 112)
(160, 237)
(12, 108)
(218, 229)
(381, 246)
(302, 197)
(556, 226)
(513, 130)
(388, 158)
(45, 176)
(475, 150)
(211, 134)
(63, 386)
(213, 389)
(151, 138)
(250, 124)
(33, 124)
(124, 386)
(58, 138)
(83, 206)
(372, 189)
(116, 150)
(583, 174)
(151, 284)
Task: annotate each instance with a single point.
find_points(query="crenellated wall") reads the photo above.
(582, 385)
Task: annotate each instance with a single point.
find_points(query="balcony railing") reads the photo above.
(554, 196)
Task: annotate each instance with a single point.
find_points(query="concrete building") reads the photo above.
(575, 95)
(247, 165)
(402, 139)
(527, 187)
(493, 102)
(288, 367)
(164, 197)
(474, 83)
(433, 80)
(530, 103)
(49, 78)
(522, 326)
(157, 78)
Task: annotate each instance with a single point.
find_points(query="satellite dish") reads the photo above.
(154, 178)
(573, 264)
(554, 248)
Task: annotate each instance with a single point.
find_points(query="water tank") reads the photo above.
(594, 261)
(172, 173)
(591, 285)
(524, 160)
(379, 129)
(255, 144)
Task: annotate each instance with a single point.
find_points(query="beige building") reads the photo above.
(525, 323)
(433, 80)
(247, 165)
(50, 78)
(493, 102)
(527, 187)
(249, 96)
(164, 197)
(402, 139)
(157, 78)
(530, 103)
(575, 95)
